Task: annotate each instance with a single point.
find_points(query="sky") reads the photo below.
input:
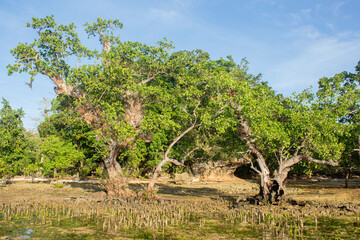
(292, 43)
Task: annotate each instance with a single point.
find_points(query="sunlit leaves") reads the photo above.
(58, 155)
(339, 96)
(15, 146)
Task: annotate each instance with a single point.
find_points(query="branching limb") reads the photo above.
(323, 162)
(252, 165)
(179, 137)
(188, 154)
(102, 95)
(176, 162)
(301, 146)
(150, 78)
(218, 113)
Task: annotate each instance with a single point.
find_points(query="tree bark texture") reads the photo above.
(155, 176)
(116, 185)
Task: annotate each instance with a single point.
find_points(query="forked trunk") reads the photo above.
(116, 185)
(272, 190)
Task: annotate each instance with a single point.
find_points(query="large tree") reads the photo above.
(110, 94)
(280, 132)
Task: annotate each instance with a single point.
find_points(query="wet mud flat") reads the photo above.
(204, 210)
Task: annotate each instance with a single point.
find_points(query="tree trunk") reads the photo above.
(156, 174)
(116, 185)
(166, 159)
(274, 189)
(271, 189)
(347, 174)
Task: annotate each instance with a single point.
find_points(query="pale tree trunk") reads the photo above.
(158, 171)
(116, 185)
(155, 176)
(166, 159)
(273, 189)
(93, 116)
(266, 183)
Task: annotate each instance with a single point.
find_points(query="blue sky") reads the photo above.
(292, 43)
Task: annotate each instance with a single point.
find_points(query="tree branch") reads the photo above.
(301, 146)
(352, 112)
(179, 137)
(252, 165)
(245, 134)
(323, 162)
(176, 162)
(149, 78)
(218, 113)
(188, 154)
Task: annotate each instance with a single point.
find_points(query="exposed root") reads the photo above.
(261, 200)
(117, 189)
(147, 196)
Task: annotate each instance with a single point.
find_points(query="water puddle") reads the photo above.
(23, 235)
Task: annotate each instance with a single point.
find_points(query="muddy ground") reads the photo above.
(80, 210)
(324, 190)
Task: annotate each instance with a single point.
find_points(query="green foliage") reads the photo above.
(67, 125)
(58, 185)
(17, 152)
(58, 155)
(285, 126)
(48, 53)
(340, 97)
(103, 28)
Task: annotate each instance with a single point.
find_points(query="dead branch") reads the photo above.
(180, 136)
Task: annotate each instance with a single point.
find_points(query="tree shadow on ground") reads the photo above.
(92, 187)
(186, 192)
(319, 184)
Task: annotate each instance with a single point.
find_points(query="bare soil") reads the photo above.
(323, 190)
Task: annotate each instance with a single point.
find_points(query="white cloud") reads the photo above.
(184, 5)
(307, 31)
(322, 57)
(337, 7)
(164, 15)
(300, 16)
